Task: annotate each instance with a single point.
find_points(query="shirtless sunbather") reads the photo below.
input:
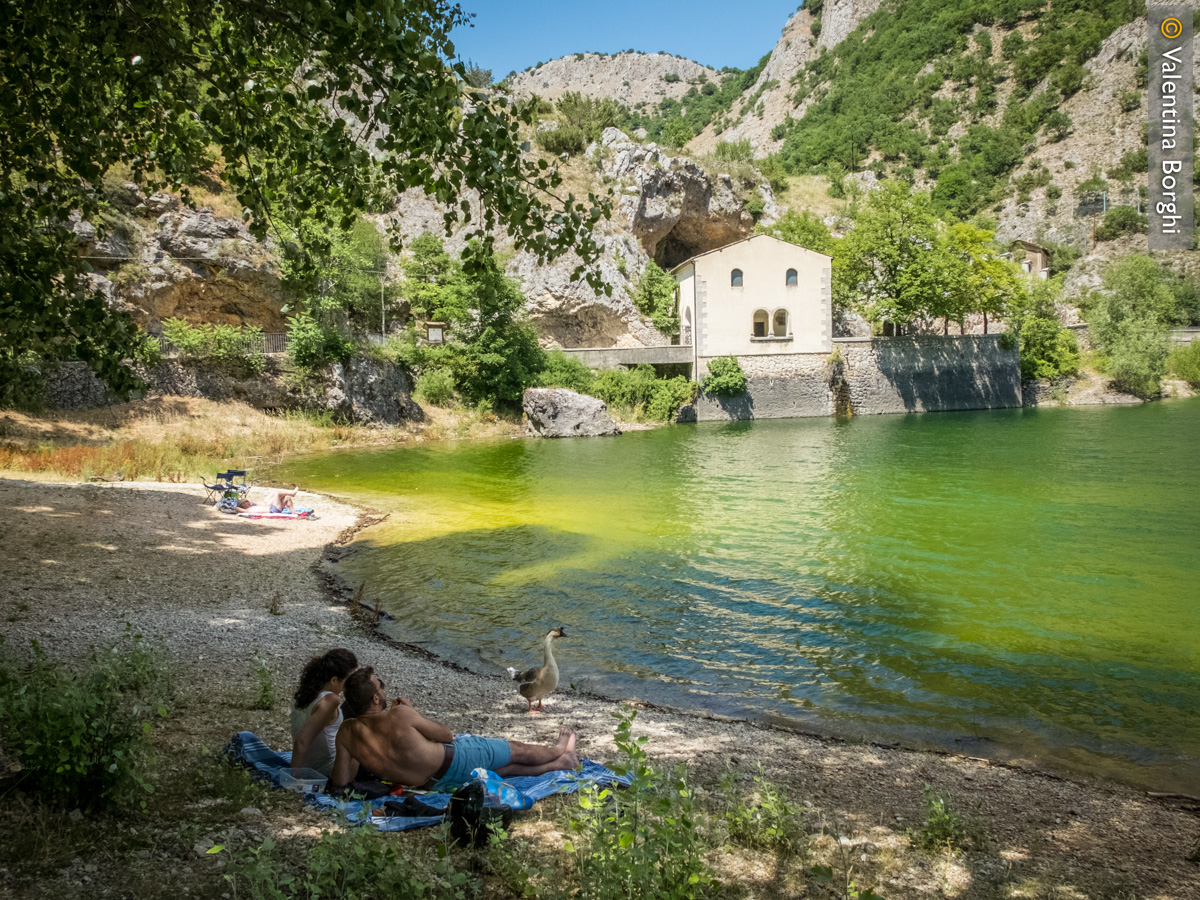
(280, 501)
(399, 745)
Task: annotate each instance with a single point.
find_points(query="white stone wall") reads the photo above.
(726, 315)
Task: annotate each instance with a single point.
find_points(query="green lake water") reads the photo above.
(1017, 584)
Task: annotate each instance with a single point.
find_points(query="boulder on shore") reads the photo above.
(557, 413)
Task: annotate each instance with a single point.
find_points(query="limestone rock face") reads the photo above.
(673, 206)
(630, 78)
(774, 89)
(665, 208)
(184, 263)
(558, 413)
(370, 392)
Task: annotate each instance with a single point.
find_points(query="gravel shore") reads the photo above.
(81, 561)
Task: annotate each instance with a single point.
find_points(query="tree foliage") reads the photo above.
(492, 348)
(343, 280)
(1130, 321)
(1047, 349)
(900, 264)
(803, 228)
(317, 110)
(655, 297)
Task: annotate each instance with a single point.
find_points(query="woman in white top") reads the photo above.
(317, 713)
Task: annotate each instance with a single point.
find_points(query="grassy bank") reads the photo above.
(179, 439)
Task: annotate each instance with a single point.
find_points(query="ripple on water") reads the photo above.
(1020, 580)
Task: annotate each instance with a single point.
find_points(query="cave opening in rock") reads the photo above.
(672, 250)
(686, 240)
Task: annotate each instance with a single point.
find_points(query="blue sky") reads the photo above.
(513, 34)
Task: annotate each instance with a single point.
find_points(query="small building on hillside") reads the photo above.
(1033, 259)
(755, 297)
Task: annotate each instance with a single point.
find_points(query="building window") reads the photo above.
(779, 326)
(735, 278)
(791, 277)
(760, 323)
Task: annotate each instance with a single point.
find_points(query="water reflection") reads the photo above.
(1013, 580)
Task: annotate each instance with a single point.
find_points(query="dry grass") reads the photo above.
(178, 439)
(810, 192)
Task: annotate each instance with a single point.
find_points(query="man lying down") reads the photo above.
(395, 743)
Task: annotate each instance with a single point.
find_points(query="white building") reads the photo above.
(757, 297)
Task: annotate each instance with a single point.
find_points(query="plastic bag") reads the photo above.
(500, 792)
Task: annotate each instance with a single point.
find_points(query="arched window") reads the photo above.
(761, 321)
(735, 278)
(779, 323)
(791, 277)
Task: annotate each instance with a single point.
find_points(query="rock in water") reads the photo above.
(557, 412)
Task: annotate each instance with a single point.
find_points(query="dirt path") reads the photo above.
(81, 561)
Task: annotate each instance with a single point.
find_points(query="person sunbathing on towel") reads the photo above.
(397, 744)
(281, 501)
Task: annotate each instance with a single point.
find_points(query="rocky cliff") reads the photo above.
(769, 101)
(630, 78)
(665, 207)
(158, 259)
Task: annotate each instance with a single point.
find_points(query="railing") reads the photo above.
(248, 343)
(1178, 335)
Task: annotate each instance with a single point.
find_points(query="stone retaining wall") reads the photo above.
(881, 375)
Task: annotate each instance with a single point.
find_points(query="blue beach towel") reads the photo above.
(247, 748)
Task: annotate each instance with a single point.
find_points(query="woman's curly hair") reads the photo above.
(337, 663)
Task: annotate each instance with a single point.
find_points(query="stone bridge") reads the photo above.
(616, 357)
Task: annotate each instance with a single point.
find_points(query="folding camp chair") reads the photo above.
(225, 484)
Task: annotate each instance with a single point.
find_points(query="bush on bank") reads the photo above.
(82, 738)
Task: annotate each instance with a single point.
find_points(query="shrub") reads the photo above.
(677, 132)
(734, 151)
(567, 139)
(639, 392)
(565, 372)
(81, 739)
(314, 346)
(768, 822)
(1130, 100)
(942, 828)
(1058, 125)
(1185, 363)
(1121, 220)
(643, 841)
(238, 347)
(1047, 349)
(435, 387)
(725, 377)
(1053, 192)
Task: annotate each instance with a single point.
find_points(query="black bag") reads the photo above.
(471, 821)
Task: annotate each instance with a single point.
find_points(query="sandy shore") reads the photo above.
(81, 561)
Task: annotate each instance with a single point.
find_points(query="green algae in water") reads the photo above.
(1018, 584)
